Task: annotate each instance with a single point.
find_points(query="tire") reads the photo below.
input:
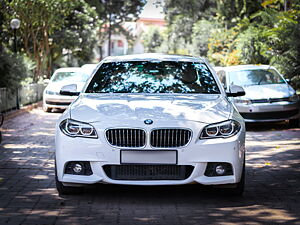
(240, 186)
(294, 123)
(66, 190)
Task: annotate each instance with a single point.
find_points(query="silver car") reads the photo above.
(52, 98)
(268, 97)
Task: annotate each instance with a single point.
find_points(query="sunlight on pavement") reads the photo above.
(262, 213)
(23, 146)
(40, 177)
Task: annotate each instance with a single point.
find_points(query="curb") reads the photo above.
(22, 110)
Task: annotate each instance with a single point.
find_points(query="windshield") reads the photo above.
(254, 77)
(153, 77)
(70, 77)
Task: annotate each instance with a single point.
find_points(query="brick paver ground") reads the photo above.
(28, 194)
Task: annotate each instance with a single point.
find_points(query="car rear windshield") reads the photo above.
(153, 77)
(70, 77)
(254, 77)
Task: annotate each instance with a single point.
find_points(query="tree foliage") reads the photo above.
(49, 26)
(12, 70)
(152, 39)
(113, 13)
(231, 32)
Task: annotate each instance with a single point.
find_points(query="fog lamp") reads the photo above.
(77, 168)
(220, 170)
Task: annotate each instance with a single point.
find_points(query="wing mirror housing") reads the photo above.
(235, 91)
(70, 90)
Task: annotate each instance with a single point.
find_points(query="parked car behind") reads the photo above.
(151, 119)
(268, 97)
(61, 77)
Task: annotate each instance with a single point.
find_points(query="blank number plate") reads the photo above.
(149, 157)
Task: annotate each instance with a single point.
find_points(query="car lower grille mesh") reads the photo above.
(168, 138)
(271, 100)
(270, 115)
(148, 172)
(126, 137)
(58, 103)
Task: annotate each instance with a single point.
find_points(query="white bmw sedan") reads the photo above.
(151, 119)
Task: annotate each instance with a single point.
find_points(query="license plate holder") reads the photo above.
(149, 157)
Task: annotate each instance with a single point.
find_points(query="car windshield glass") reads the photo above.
(254, 77)
(70, 77)
(153, 77)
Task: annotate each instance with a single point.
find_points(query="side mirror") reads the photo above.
(235, 91)
(288, 81)
(70, 90)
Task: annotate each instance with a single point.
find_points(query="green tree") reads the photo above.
(201, 34)
(230, 12)
(194, 9)
(222, 47)
(281, 33)
(181, 16)
(48, 26)
(152, 39)
(77, 37)
(113, 13)
(12, 70)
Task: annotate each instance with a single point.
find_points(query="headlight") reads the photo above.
(51, 92)
(223, 130)
(293, 98)
(242, 101)
(74, 128)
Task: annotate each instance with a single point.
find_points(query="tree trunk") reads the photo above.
(100, 52)
(47, 55)
(285, 5)
(109, 36)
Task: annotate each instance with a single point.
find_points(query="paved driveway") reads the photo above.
(28, 194)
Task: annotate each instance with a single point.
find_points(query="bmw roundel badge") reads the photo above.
(148, 121)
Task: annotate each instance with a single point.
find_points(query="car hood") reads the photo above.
(200, 108)
(56, 86)
(267, 91)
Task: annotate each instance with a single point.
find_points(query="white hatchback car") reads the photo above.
(151, 119)
(52, 98)
(268, 97)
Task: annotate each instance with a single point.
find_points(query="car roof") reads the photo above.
(69, 69)
(89, 65)
(246, 67)
(153, 57)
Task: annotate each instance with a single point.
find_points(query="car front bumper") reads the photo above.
(198, 153)
(57, 101)
(269, 112)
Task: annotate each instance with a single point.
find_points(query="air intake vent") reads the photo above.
(123, 137)
(169, 138)
(148, 172)
(271, 100)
